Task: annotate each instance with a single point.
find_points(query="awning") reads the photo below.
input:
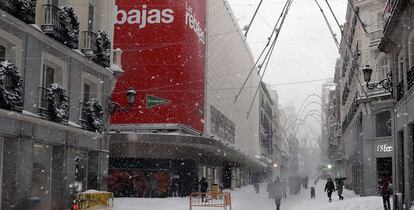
(178, 146)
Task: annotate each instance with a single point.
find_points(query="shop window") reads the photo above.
(383, 124)
(81, 170)
(41, 176)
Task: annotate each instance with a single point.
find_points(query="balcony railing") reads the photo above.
(45, 106)
(18, 9)
(89, 43)
(375, 37)
(61, 25)
(410, 77)
(400, 90)
(52, 25)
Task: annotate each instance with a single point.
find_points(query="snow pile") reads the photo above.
(246, 199)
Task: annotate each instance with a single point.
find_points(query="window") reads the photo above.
(10, 47)
(400, 67)
(86, 92)
(41, 176)
(411, 50)
(91, 87)
(81, 170)
(90, 17)
(2, 53)
(383, 124)
(48, 76)
(384, 67)
(53, 2)
(53, 71)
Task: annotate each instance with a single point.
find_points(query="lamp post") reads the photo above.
(116, 107)
(385, 83)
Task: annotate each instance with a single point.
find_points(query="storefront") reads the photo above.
(174, 165)
(377, 163)
(42, 173)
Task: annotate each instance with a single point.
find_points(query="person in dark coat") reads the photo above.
(340, 188)
(329, 188)
(385, 193)
(312, 191)
(278, 193)
(203, 187)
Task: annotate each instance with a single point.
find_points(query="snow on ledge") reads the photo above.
(36, 27)
(73, 124)
(30, 114)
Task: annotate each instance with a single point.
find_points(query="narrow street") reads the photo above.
(246, 199)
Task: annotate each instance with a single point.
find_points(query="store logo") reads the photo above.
(192, 22)
(384, 148)
(144, 17)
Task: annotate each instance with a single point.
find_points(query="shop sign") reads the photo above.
(384, 148)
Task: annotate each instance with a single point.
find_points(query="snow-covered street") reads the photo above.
(246, 199)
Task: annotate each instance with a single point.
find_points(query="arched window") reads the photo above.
(383, 67)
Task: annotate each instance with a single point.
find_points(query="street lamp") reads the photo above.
(116, 107)
(385, 83)
(329, 166)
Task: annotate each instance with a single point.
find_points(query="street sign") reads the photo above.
(154, 101)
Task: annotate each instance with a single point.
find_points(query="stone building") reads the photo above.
(364, 114)
(398, 43)
(47, 143)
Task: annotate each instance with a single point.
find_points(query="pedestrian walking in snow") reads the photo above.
(278, 193)
(312, 192)
(385, 193)
(329, 188)
(340, 188)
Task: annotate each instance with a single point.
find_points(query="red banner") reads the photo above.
(163, 44)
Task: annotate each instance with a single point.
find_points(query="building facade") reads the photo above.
(197, 129)
(364, 114)
(398, 43)
(48, 144)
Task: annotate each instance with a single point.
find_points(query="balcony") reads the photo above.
(52, 26)
(89, 43)
(61, 24)
(375, 38)
(410, 77)
(25, 11)
(56, 109)
(400, 90)
(97, 47)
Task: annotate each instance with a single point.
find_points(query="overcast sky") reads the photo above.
(305, 49)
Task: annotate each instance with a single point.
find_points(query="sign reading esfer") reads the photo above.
(384, 148)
